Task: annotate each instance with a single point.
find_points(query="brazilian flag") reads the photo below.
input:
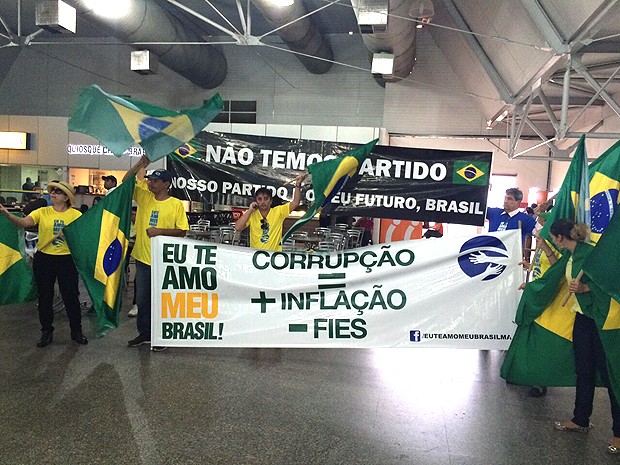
(470, 172)
(573, 200)
(328, 178)
(120, 122)
(16, 280)
(98, 242)
(541, 351)
(603, 268)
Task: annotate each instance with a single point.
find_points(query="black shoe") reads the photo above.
(79, 338)
(141, 339)
(536, 391)
(46, 338)
(158, 348)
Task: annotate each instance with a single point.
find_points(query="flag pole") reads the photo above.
(578, 278)
(50, 241)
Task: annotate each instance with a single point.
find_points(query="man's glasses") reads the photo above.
(57, 191)
(263, 224)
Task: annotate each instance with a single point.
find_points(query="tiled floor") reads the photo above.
(105, 403)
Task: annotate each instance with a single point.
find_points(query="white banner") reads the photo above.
(449, 292)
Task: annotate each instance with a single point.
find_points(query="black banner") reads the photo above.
(445, 186)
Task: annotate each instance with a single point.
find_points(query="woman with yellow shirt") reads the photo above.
(53, 260)
(587, 347)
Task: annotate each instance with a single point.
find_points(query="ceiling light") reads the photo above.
(144, 62)
(109, 8)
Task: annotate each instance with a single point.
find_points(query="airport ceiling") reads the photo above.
(548, 69)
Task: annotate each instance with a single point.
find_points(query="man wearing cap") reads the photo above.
(159, 214)
(53, 260)
(109, 183)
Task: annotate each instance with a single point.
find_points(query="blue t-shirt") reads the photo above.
(499, 220)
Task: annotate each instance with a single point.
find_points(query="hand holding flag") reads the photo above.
(328, 179)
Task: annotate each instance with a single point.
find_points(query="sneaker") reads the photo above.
(158, 348)
(133, 311)
(141, 339)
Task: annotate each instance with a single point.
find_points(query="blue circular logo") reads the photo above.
(483, 257)
(602, 208)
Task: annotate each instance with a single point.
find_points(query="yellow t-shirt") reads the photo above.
(541, 262)
(569, 277)
(269, 237)
(166, 214)
(51, 223)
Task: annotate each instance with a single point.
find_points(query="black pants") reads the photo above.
(590, 357)
(47, 269)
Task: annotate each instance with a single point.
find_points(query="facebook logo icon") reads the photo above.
(415, 335)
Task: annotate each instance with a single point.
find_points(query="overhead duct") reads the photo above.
(146, 21)
(385, 30)
(301, 35)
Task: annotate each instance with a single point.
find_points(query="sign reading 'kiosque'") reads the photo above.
(451, 292)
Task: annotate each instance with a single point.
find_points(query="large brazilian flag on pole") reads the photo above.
(120, 122)
(98, 242)
(541, 352)
(16, 280)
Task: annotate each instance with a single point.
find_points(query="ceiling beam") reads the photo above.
(545, 25)
(477, 49)
(583, 72)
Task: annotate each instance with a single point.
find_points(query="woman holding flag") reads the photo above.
(53, 260)
(587, 345)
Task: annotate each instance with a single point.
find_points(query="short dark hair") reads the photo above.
(516, 193)
(262, 190)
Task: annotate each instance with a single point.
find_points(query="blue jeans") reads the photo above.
(143, 297)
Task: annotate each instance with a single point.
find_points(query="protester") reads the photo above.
(587, 347)
(53, 260)
(109, 183)
(509, 217)
(266, 222)
(158, 214)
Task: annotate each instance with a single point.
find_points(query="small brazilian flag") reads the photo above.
(470, 172)
(121, 122)
(188, 149)
(16, 279)
(328, 178)
(98, 242)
